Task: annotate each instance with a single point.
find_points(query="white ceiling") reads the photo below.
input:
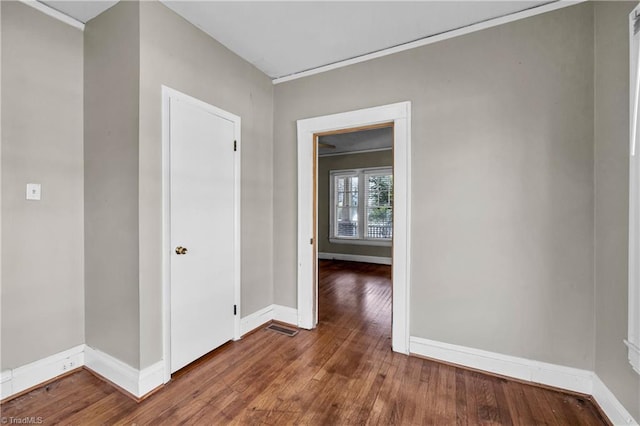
(284, 38)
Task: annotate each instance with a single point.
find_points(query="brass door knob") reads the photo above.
(181, 250)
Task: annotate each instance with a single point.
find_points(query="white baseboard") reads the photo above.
(112, 369)
(6, 388)
(150, 378)
(264, 315)
(27, 376)
(618, 415)
(256, 319)
(572, 379)
(139, 383)
(355, 258)
(136, 382)
(285, 314)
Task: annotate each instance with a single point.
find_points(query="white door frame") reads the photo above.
(400, 115)
(633, 338)
(167, 95)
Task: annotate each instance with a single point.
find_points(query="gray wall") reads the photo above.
(112, 52)
(502, 200)
(612, 201)
(177, 54)
(339, 162)
(504, 165)
(42, 261)
(131, 51)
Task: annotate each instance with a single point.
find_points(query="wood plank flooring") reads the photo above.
(341, 373)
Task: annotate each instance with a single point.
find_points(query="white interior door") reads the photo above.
(202, 226)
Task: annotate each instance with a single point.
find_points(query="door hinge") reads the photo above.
(311, 241)
(235, 309)
(235, 145)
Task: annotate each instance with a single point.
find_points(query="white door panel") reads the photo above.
(202, 221)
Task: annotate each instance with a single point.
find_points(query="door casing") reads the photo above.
(167, 95)
(400, 115)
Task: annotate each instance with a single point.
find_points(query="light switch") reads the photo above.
(34, 191)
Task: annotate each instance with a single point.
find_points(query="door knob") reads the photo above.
(181, 250)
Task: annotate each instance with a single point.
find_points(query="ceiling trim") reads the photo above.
(361, 151)
(559, 4)
(48, 10)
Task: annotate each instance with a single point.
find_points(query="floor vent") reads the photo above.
(283, 330)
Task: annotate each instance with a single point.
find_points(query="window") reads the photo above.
(346, 206)
(378, 209)
(362, 206)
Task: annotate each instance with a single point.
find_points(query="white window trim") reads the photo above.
(332, 199)
(362, 173)
(633, 341)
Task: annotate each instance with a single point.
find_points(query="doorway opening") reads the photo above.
(398, 117)
(354, 211)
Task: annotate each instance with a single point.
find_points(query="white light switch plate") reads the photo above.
(34, 191)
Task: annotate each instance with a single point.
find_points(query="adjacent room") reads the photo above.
(354, 213)
(320, 212)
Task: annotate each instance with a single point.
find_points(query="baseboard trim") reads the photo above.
(274, 312)
(572, 379)
(355, 258)
(613, 409)
(17, 380)
(141, 383)
(256, 319)
(285, 314)
(112, 369)
(136, 382)
(568, 378)
(150, 379)
(6, 387)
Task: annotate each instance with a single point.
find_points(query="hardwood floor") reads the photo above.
(343, 372)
